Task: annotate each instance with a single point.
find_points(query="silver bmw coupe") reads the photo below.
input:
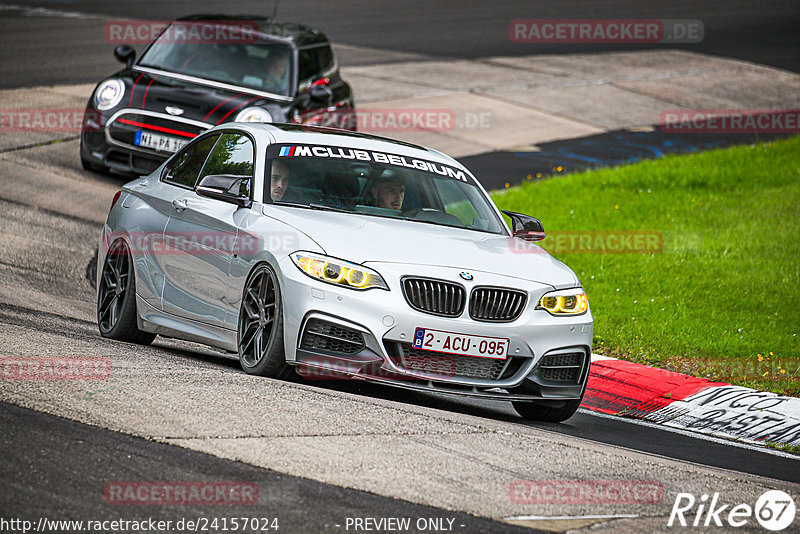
(334, 254)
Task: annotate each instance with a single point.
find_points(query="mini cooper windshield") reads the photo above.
(377, 184)
(247, 61)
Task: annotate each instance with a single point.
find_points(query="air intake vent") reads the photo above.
(329, 337)
(561, 367)
(496, 304)
(436, 297)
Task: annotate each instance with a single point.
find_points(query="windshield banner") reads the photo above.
(337, 152)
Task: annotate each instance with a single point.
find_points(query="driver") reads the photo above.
(388, 193)
(276, 71)
(279, 179)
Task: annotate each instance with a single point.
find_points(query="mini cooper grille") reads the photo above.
(434, 296)
(448, 365)
(124, 127)
(561, 367)
(322, 335)
(496, 304)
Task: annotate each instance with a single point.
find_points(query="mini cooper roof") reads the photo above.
(295, 33)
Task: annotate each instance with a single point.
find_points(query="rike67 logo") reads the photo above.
(774, 510)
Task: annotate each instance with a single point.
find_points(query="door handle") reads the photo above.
(179, 205)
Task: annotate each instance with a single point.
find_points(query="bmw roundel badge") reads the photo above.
(465, 275)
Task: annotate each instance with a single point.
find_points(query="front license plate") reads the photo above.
(461, 344)
(159, 142)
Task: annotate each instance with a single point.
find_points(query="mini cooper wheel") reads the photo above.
(116, 298)
(550, 411)
(261, 326)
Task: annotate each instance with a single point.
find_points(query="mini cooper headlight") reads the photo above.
(253, 115)
(338, 272)
(564, 302)
(109, 94)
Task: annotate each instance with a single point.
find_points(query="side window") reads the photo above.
(313, 61)
(455, 201)
(183, 170)
(232, 155)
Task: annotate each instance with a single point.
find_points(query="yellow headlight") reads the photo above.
(338, 272)
(570, 302)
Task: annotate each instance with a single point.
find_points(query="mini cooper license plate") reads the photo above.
(159, 142)
(460, 344)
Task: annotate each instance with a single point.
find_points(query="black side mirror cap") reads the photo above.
(525, 227)
(321, 94)
(224, 187)
(125, 54)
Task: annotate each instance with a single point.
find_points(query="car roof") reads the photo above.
(294, 32)
(314, 135)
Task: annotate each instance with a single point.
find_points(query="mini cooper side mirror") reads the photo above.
(125, 54)
(321, 94)
(525, 227)
(224, 187)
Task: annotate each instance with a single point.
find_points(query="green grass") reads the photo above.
(783, 447)
(722, 298)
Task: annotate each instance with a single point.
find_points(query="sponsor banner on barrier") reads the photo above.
(735, 412)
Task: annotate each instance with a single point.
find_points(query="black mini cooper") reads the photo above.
(202, 71)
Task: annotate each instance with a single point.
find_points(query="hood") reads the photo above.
(365, 239)
(198, 102)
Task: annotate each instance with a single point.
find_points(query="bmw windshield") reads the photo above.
(223, 53)
(378, 184)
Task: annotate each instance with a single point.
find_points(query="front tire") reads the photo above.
(260, 336)
(548, 411)
(116, 298)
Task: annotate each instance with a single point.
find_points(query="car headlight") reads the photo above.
(565, 302)
(253, 115)
(109, 94)
(338, 272)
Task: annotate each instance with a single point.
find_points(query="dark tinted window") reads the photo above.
(184, 169)
(233, 155)
(315, 60)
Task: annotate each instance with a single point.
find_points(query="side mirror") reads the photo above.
(224, 187)
(125, 54)
(321, 94)
(525, 227)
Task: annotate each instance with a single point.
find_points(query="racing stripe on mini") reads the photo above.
(236, 108)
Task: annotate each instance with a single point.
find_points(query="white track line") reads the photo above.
(566, 517)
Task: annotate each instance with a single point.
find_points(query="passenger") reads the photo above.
(279, 179)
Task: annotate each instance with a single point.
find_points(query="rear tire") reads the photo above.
(260, 336)
(552, 413)
(116, 298)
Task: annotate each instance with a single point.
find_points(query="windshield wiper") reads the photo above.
(312, 206)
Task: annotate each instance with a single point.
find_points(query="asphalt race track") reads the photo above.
(66, 50)
(319, 452)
